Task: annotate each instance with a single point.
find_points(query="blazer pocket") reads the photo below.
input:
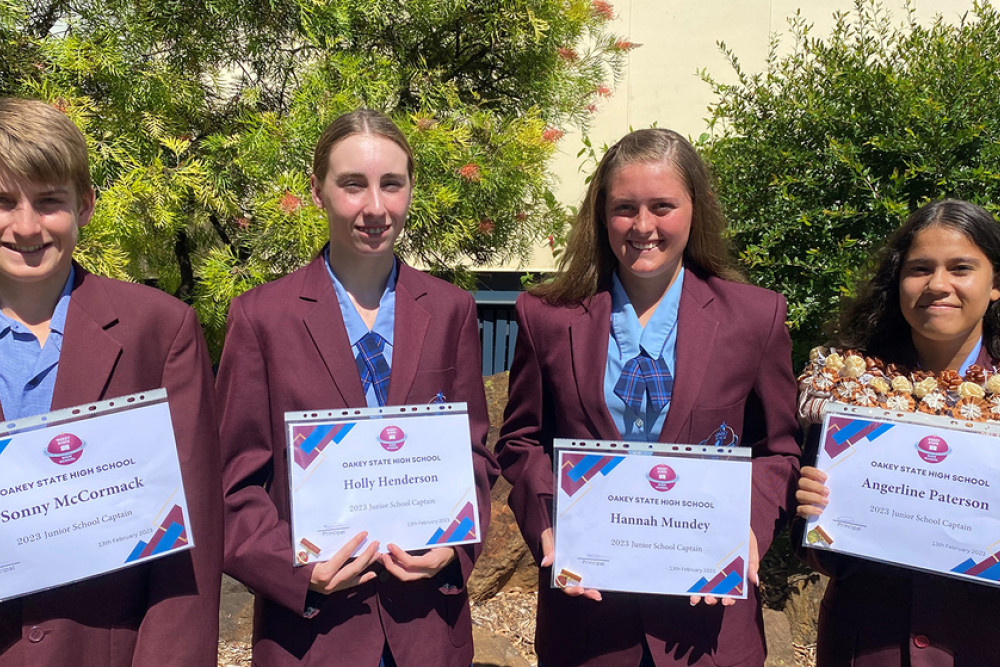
(429, 384)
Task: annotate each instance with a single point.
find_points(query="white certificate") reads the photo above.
(910, 489)
(89, 490)
(402, 473)
(652, 518)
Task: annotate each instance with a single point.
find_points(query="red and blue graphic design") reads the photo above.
(729, 581)
(845, 432)
(988, 568)
(461, 529)
(309, 441)
(578, 469)
(171, 534)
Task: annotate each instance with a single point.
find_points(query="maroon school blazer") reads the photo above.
(121, 339)
(287, 349)
(733, 366)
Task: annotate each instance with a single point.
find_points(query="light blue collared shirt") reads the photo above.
(28, 370)
(658, 338)
(385, 321)
(971, 359)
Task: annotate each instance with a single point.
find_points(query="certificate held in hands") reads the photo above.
(89, 490)
(402, 473)
(920, 491)
(652, 518)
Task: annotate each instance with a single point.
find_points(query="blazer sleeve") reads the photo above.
(772, 429)
(524, 450)
(258, 542)
(468, 387)
(182, 629)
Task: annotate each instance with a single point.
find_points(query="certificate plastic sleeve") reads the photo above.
(914, 490)
(652, 518)
(402, 473)
(89, 490)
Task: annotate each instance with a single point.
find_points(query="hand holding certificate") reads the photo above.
(913, 490)
(401, 474)
(652, 518)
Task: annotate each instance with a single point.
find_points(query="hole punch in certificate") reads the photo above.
(652, 518)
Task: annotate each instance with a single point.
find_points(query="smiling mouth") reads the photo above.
(24, 248)
(374, 231)
(644, 245)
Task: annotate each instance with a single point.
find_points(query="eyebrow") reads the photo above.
(353, 174)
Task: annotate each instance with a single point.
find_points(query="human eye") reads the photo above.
(394, 185)
(7, 202)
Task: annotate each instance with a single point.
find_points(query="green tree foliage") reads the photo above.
(820, 157)
(202, 117)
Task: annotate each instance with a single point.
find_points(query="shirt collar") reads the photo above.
(630, 335)
(355, 326)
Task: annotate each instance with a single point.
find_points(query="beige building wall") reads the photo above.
(679, 38)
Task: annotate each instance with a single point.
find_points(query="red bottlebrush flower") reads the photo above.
(552, 134)
(591, 107)
(486, 226)
(625, 45)
(552, 241)
(290, 203)
(185, 137)
(60, 105)
(602, 91)
(425, 124)
(470, 172)
(568, 54)
(521, 216)
(242, 223)
(603, 9)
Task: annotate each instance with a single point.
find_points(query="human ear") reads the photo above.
(85, 211)
(316, 191)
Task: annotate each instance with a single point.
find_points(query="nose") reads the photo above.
(25, 220)
(938, 281)
(374, 202)
(643, 221)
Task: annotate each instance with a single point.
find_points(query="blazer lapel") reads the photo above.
(90, 350)
(696, 332)
(588, 336)
(409, 330)
(326, 328)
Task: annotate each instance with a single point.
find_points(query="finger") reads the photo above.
(695, 600)
(806, 511)
(711, 600)
(753, 567)
(728, 602)
(401, 557)
(580, 591)
(812, 486)
(548, 547)
(812, 473)
(396, 570)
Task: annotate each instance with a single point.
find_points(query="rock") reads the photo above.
(495, 651)
(235, 611)
(505, 563)
(805, 593)
(779, 640)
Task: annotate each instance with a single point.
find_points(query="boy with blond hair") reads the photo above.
(69, 337)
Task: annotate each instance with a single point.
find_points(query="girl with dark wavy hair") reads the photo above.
(930, 312)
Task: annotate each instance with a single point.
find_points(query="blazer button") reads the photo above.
(921, 641)
(36, 634)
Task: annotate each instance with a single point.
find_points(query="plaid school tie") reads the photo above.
(372, 365)
(643, 374)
